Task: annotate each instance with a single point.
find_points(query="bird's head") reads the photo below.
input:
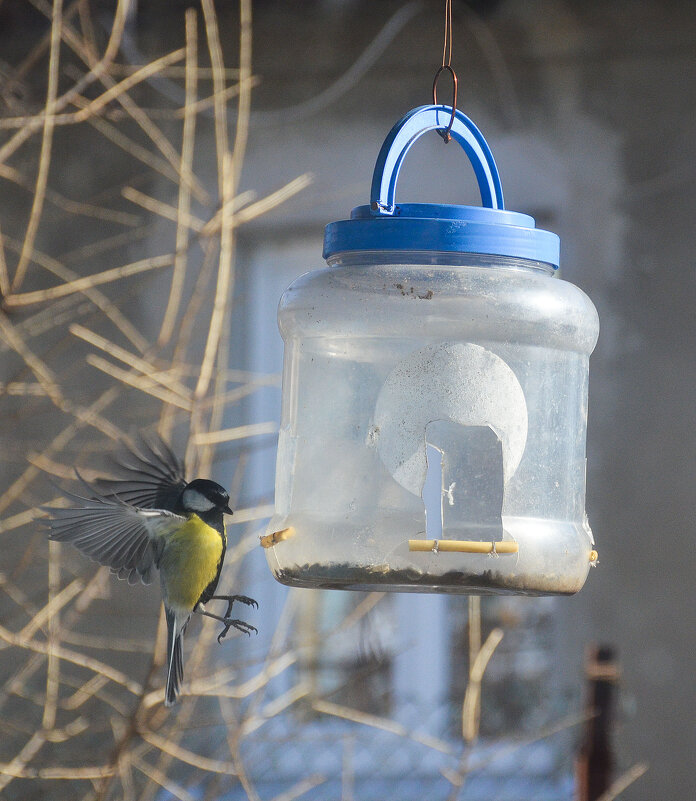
(201, 496)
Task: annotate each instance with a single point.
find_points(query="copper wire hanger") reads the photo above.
(446, 66)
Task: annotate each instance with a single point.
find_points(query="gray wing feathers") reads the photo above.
(126, 539)
(149, 477)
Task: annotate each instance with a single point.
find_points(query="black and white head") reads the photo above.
(202, 496)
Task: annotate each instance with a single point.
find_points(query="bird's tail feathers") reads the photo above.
(175, 655)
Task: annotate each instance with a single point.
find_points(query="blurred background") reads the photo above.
(140, 270)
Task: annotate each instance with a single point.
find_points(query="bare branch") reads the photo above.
(184, 755)
(89, 281)
(624, 781)
(143, 383)
(238, 432)
(385, 724)
(96, 105)
(184, 205)
(46, 142)
(96, 71)
(71, 656)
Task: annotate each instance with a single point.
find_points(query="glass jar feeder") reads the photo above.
(434, 406)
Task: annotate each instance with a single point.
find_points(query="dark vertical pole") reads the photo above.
(595, 761)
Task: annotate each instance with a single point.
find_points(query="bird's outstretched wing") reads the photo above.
(149, 477)
(114, 533)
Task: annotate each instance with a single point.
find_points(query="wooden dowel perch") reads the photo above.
(463, 546)
(269, 540)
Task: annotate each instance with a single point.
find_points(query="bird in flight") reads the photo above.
(147, 518)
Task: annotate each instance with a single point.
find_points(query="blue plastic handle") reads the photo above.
(410, 128)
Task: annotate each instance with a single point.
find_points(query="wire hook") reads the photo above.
(445, 132)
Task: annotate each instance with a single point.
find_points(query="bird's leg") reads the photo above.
(243, 599)
(228, 623)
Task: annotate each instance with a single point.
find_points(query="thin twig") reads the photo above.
(108, 643)
(301, 787)
(470, 720)
(218, 407)
(134, 149)
(262, 206)
(233, 734)
(96, 71)
(219, 101)
(22, 388)
(224, 285)
(43, 373)
(226, 398)
(365, 606)
(95, 296)
(184, 755)
(186, 328)
(624, 781)
(385, 724)
(164, 146)
(96, 105)
(143, 383)
(88, 416)
(200, 106)
(4, 272)
(73, 774)
(504, 750)
(20, 519)
(238, 432)
(241, 134)
(86, 691)
(88, 33)
(146, 367)
(34, 55)
(207, 102)
(163, 780)
(217, 684)
(92, 250)
(275, 707)
(71, 656)
(202, 73)
(253, 513)
(168, 212)
(472, 697)
(55, 603)
(46, 143)
(16, 767)
(184, 204)
(48, 720)
(68, 205)
(138, 115)
(230, 170)
(275, 649)
(162, 209)
(89, 281)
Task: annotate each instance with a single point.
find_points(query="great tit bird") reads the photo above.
(150, 517)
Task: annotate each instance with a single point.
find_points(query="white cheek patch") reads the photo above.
(196, 502)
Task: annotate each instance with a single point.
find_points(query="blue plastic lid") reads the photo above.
(489, 229)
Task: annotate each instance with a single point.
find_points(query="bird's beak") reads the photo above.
(227, 510)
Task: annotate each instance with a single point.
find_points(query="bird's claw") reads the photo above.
(240, 625)
(243, 599)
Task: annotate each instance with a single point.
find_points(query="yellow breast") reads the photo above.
(190, 561)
